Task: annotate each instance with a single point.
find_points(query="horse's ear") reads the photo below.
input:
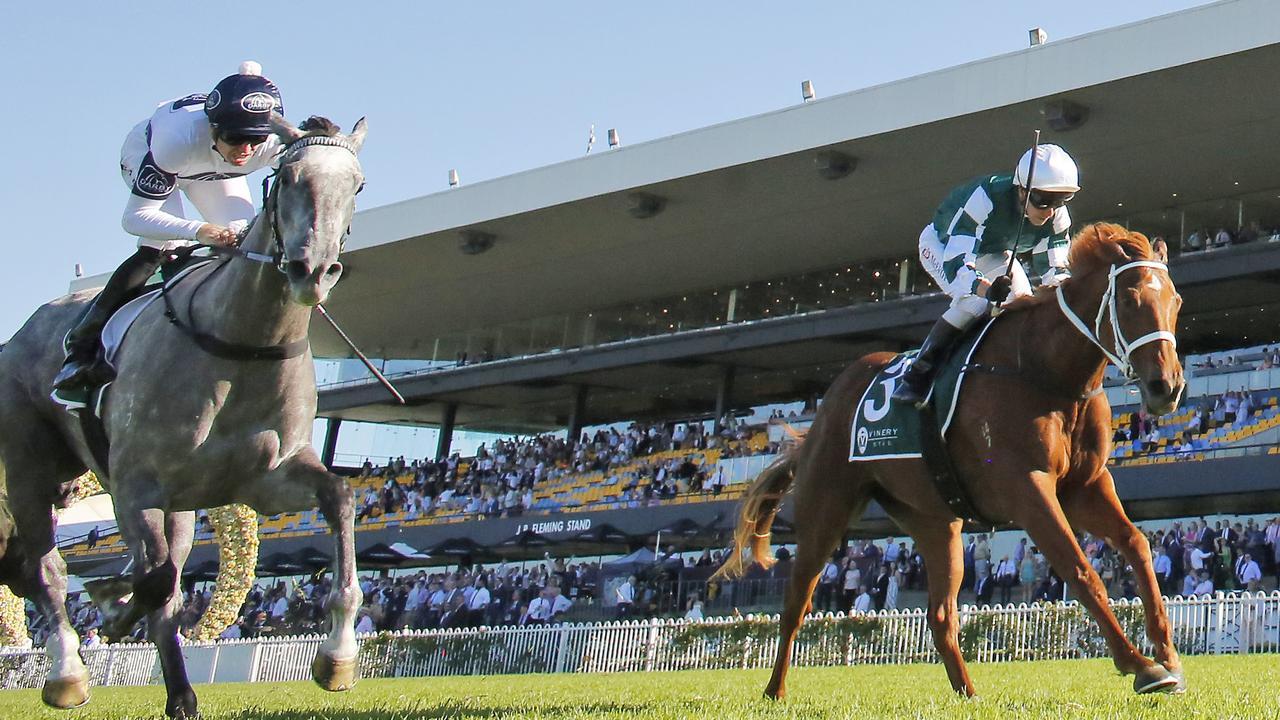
(356, 136)
(284, 129)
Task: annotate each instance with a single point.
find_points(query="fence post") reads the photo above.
(111, 663)
(255, 661)
(562, 650)
(651, 646)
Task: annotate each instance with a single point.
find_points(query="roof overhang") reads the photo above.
(1174, 107)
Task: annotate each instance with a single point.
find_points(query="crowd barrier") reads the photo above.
(1237, 623)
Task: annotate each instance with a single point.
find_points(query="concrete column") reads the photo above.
(724, 395)
(577, 413)
(446, 430)
(330, 442)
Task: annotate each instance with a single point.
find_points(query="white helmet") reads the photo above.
(1055, 170)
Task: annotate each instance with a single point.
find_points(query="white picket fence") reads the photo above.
(1238, 623)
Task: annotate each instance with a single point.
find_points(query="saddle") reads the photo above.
(887, 430)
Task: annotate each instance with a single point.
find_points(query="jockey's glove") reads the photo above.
(1054, 277)
(999, 290)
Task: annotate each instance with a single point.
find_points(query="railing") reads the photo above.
(1238, 623)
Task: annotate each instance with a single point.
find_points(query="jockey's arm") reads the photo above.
(146, 218)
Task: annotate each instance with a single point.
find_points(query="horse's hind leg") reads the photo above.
(1044, 521)
(939, 542)
(45, 576)
(1096, 508)
(822, 511)
(163, 626)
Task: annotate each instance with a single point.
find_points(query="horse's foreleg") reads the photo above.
(154, 575)
(1045, 523)
(1101, 513)
(163, 622)
(334, 667)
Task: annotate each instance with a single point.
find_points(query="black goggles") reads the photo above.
(242, 138)
(1045, 200)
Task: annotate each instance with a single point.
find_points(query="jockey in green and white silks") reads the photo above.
(966, 248)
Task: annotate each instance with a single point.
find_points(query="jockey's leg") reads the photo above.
(82, 366)
(965, 309)
(1099, 512)
(914, 385)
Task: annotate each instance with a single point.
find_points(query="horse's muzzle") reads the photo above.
(1161, 395)
(310, 283)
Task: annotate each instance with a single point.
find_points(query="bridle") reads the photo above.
(271, 199)
(1120, 354)
(277, 258)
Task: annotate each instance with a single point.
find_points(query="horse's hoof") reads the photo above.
(67, 693)
(1153, 679)
(333, 675)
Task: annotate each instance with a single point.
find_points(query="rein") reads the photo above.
(279, 259)
(1121, 353)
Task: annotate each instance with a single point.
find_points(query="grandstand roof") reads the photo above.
(1175, 106)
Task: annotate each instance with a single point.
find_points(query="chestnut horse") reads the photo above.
(1031, 449)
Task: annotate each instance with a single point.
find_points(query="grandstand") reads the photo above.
(757, 274)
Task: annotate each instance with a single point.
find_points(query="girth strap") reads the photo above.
(942, 472)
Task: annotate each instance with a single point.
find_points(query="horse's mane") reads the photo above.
(1096, 247)
(317, 125)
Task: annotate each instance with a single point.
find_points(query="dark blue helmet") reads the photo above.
(242, 103)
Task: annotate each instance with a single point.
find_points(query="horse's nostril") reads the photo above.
(1160, 387)
(334, 270)
(297, 270)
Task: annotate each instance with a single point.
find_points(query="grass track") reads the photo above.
(1220, 687)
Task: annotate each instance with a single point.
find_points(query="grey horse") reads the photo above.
(192, 421)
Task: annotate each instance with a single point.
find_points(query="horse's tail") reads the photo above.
(755, 517)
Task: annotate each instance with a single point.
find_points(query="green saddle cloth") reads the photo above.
(884, 429)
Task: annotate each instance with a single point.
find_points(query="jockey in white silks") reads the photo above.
(967, 248)
(203, 145)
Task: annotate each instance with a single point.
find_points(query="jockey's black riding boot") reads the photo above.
(83, 367)
(915, 381)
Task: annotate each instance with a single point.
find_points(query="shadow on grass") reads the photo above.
(453, 710)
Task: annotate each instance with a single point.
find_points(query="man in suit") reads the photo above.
(880, 591)
(983, 587)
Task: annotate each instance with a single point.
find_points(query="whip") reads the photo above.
(381, 378)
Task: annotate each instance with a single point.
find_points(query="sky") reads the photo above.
(486, 88)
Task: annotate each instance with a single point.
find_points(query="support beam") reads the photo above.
(724, 394)
(577, 413)
(446, 430)
(330, 442)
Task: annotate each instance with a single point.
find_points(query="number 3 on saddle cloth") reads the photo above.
(887, 430)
